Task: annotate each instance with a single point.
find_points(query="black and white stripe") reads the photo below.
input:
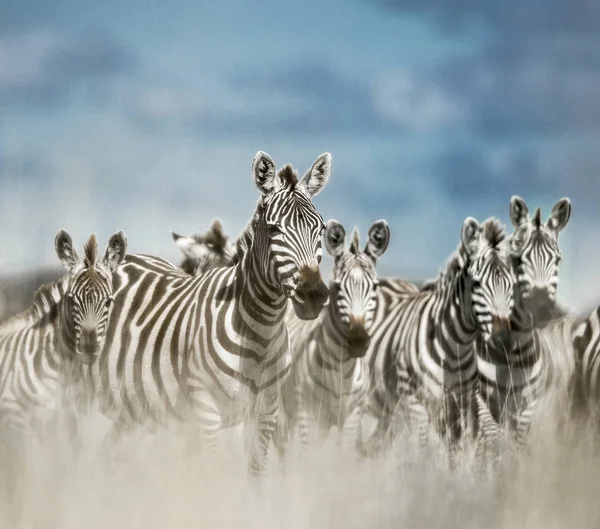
(42, 349)
(421, 356)
(214, 349)
(516, 368)
(328, 379)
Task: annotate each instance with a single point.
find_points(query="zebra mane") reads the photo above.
(455, 264)
(493, 232)
(90, 251)
(244, 241)
(288, 176)
(44, 305)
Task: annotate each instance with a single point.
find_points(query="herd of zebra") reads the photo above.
(248, 332)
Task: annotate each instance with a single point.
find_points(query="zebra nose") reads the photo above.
(540, 304)
(500, 324)
(356, 322)
(88, 342)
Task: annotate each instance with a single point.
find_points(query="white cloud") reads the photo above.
(407, 100)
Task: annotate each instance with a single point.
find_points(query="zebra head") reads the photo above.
(353, 297)
(202, 252)
(536, 256)
(289, 231)
(89, 295)
(490, 277)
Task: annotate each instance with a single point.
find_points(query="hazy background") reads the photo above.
(146, 117)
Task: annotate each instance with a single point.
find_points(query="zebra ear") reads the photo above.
(335, 238)
(65, 251)
(115, 251)
(520, 238)
(316, 177)
(217, 227)
(189, 246)
(263, 171)
(560, 214)
(379, 239)
(518, 211)
(471, 235)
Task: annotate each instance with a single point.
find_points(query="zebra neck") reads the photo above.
(330, 361)
(453, 322)
(332, 340)
(65, 331)
(260, 301)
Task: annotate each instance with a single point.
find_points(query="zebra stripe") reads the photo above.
(421, 354)
(42, 349)
(215, 348)
(201, 252)
(584, 381)
(328, 377)
(514, 371)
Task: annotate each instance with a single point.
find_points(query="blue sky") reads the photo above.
(146, 118)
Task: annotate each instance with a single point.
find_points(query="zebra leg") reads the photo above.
(522, 429)
(418, 419)
(266, 418)
(209, 421)
(281, 440)
(380, 438)
(348, 431)
(487, 432)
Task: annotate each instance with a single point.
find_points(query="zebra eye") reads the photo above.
(274, 228)
(109, 301)
(476, 283)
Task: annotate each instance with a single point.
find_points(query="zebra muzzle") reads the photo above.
(311, 293)
(358, 338)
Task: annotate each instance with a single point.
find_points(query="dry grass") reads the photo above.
(152, 483)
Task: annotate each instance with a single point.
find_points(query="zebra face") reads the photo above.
(491, 278)
(89, 296)
(290, 231)
(353, 296)
(536, 257)
(204, 252)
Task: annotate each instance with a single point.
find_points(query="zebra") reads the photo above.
(213, 350)
(202, 252)
(421, 356)
(583, 387)
(328, 377)
(513, 370)
(43, 349)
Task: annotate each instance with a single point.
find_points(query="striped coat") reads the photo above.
(43, 349)
(213, 350)
(516, 369)
(329, 379)
(421, 356)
